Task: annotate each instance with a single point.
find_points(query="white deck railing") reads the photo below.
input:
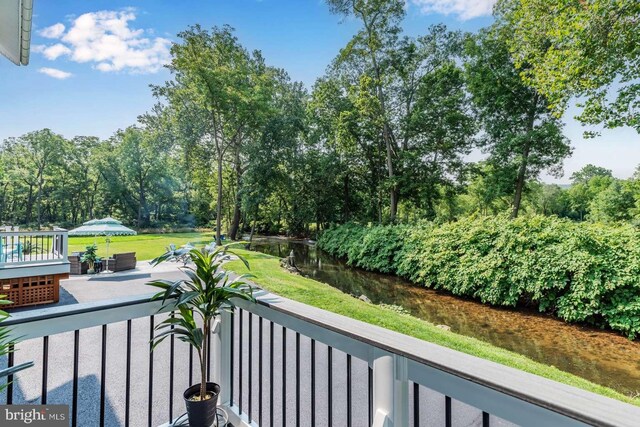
(280, 362)
(26, 248)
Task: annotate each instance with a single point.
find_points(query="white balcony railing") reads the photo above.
(281, 363)
(33, 248)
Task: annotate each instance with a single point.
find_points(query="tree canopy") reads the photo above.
(398, 129)
(576, 48)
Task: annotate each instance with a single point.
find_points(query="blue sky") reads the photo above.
(92, 62)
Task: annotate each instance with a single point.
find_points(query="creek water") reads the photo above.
(602, 357)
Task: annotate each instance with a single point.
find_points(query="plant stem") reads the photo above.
(203, 387)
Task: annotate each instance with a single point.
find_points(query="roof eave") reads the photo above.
(25, 31)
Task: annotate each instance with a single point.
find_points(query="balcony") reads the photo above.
(33, 253)
(279, 363)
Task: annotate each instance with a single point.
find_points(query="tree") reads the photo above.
(520, 134)
(35, 155)
(615, 203)
(216, 83)
(577, 48)
(548, 199)
(586, 185)
(440, 132)
(380, 20)
(584, 175)
(143, 162)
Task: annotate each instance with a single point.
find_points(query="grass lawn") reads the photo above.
(272, 277)
(146, 246)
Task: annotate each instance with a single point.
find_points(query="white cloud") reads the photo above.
(52, 32)
(105, 39)
(463, 9)
(55, 51)
(55, 73)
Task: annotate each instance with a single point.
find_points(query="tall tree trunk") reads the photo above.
(386, 129)
(39, 204)
(233, 231)
(219, 202)
(520, 181)
(29, 210)
(393, 191)
(522, 170)
(346, 212)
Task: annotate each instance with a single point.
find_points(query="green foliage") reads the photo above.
(580, 272)
(521, 136)
(577, 48)
(90, 255)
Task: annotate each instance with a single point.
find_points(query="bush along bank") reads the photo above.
(580, 272)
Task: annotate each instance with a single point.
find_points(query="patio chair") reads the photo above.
(14, 255)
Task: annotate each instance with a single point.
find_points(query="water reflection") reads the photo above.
(599, 356)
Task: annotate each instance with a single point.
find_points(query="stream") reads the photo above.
(602, 357)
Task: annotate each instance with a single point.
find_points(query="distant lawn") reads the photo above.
(146, 246)
(273, 278)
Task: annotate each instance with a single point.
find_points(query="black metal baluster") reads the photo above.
(232, 351)
(370, 392)
(10, 364)
(416, 405)
(103, 374)
(150, 408)
(76, 354)
(171, 365)
(250, 347)
(486, 419)
(349, 414)
(45, 368)
(127, 396)
(271, 374)
(313, 383)
(447, 411)
(330, 384)
(297, 378)
(209, 358)
(284, 376)
(259, 370)
(240, 327)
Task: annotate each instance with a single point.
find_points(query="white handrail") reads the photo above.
(396, 359)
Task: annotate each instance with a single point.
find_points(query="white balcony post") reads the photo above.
(390, 390)
(221, 356)
(65, 246)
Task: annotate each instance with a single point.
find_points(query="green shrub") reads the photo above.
(577, 271)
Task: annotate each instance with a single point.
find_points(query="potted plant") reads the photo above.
(197, 301)
(90, 256)
(28, 248)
